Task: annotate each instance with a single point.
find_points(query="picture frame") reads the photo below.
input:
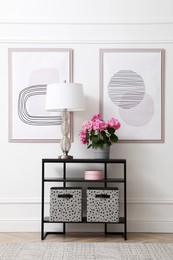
(30, 70)
(132, 90)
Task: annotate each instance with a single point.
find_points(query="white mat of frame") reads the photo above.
(88, 251)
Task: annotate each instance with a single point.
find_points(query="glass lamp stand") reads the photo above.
(65, 141)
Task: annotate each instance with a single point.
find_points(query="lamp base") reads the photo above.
(65, 156)
(65, 141)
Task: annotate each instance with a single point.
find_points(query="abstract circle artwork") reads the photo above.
(126, 90)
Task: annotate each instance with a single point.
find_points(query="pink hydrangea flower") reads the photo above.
(114, 123)
(99, 125)
(96, 132)
(82, 135)
(96, 117)
(87, 125)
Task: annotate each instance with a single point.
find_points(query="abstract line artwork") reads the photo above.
(131, 88)
(30, 70)
(24, 96)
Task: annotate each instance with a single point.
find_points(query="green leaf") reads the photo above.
(105, 139)
(114, 138)
(103, 133)
(95, 139)
(111, 130)
(100, 143)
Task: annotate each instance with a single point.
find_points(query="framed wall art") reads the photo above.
(30, 70)
(132, 90)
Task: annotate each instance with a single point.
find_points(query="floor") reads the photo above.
(87, 237)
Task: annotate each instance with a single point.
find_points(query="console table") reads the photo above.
(105, 182)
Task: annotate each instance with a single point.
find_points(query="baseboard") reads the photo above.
(20, 225)
(159, 226)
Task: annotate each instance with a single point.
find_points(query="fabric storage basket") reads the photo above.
(103, 204)
(65, 204)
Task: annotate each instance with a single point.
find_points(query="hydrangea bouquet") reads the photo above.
(96, 133)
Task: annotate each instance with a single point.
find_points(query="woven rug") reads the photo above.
(89, 251)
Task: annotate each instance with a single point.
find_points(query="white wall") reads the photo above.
(87, 26)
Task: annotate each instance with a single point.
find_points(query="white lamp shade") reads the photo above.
(63, 96)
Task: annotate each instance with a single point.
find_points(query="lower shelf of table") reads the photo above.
(84, 220)
(101, 233)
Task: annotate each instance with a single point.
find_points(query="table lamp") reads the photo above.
(65, 98)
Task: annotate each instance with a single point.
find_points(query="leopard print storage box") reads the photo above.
(103, 204)
(65, 204)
